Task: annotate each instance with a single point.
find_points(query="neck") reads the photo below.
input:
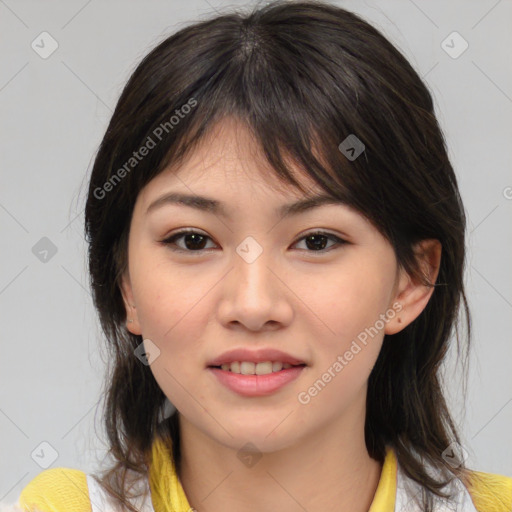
(329, 470)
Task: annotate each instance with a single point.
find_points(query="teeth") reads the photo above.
(277, 366)
(248, 368)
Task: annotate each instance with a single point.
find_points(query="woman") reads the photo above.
(276, 249)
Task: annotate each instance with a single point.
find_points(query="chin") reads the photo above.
(246, 435)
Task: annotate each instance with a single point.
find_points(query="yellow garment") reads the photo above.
(65, 490)
(56, 490)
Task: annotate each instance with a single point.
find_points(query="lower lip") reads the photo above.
(256, 385)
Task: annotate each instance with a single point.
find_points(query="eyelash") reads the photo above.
(170, 241)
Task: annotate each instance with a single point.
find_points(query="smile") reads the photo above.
(250, 368)
(253, 384)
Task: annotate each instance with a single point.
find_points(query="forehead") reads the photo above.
(229, 160)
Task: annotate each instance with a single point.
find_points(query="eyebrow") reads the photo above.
(213, 206)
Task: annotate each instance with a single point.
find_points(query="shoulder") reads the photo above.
(56, 490)
(490, 492)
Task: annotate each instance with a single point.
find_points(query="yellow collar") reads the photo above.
(166, 487)
(384, 499)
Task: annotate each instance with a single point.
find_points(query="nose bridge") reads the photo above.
(253, 297)
(252, 270)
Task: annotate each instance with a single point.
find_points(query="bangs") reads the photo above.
(300, 97)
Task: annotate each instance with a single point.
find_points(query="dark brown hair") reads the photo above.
(300, 75)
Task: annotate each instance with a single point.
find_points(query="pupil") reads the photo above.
(316, 239)
(196, 239)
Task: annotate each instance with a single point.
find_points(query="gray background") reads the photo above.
(53, 115)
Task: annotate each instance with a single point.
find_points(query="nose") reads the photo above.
(255, 296)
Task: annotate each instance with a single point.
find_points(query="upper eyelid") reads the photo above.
(198, 231)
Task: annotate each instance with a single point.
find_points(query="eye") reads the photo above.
(318, 239)
(194, 241)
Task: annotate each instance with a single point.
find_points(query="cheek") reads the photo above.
(168, 297)
(173, 310)
(347, 338)
(347, 301)
(347, 331)
(174, 317)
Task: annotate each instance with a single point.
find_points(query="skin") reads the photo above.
(310, 303)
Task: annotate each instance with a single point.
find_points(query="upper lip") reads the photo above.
(254, 356)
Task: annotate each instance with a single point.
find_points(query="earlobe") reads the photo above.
(132, 320)
(413, 295)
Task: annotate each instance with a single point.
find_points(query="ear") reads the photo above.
(413, 296)
(132, 320)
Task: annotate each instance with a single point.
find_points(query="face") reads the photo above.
(249, 278)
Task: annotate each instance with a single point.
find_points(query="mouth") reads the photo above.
(250, 379)
(250, 368)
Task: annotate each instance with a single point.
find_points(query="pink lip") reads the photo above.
(254, 356)
(257, 385)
